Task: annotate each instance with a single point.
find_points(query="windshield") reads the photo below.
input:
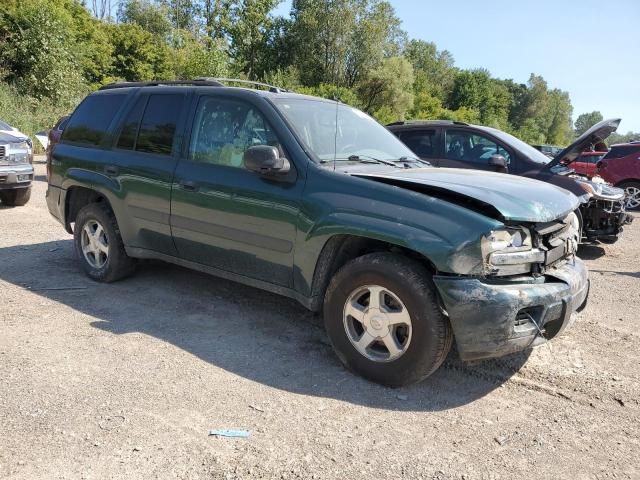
(533, 154)
(355, 134)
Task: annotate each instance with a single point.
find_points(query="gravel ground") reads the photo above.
(125, 380)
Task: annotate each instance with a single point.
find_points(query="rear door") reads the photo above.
(423, 142)
(223, 215)
(143, 161)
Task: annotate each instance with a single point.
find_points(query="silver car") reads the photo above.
(16, 170)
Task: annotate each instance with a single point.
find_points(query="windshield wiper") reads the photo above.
(361, 159)
(411, 159)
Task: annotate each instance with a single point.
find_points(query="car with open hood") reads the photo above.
(460, 145)
(315, 200)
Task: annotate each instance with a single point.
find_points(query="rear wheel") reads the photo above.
(632, 199)
(99, 246)
(15, 198)
(383, 319)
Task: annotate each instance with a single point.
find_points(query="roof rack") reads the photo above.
(426, 122)
(155, 83)
(272, 88)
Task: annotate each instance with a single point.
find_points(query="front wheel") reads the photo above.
(16, 198)
(383, 319)
(632, 197)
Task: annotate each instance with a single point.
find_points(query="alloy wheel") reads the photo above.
(95, 244)
(377, 323)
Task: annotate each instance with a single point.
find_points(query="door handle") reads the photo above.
(111, 170)
(188, 185)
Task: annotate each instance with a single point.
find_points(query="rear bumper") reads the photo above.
(16, 176)
(495, 319)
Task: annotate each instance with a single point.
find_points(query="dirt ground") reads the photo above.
(125, 381)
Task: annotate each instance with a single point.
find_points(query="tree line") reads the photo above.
(52, 52)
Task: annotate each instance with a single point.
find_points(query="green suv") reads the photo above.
(315, 200)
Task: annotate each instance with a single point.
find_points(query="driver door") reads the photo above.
(223, 215)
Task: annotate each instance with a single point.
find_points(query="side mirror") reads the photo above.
(265, 160)
(499, 162)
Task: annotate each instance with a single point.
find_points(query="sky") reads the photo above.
(588, 48)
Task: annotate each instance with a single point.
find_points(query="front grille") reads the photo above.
(3, 151)
(559, 239)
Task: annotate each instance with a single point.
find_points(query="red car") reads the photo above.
(585, 164)
(621, 167)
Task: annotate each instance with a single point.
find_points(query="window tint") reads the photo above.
(129, 131)
(472, 147)
(421, 142)
(92, 118)
(224, 129)
(158, 126)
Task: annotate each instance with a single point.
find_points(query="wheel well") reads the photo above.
(627, 180)
(341, 249)
(78, 197)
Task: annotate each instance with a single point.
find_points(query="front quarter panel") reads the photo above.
(339, 204)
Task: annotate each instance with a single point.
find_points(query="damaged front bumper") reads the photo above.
(603, 220)
(491, 318)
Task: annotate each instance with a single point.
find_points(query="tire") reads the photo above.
(406, 287)
(106, 259)
(632, 188)
(16, 198)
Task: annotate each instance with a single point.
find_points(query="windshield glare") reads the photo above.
(354, 133)
(533, 154)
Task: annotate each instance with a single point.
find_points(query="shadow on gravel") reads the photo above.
(591, 252)
(260, 336)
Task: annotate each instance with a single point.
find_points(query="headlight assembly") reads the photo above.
(509, 252)
(18, 152)
(600, 191)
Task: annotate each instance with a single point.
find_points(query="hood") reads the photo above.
(598, 133)
(13, 137)
(501, 196)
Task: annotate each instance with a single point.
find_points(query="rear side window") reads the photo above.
(127, 140)
(158, 126)
(421, 142)
(619, 152)
(91, 120)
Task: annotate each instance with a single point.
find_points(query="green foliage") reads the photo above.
(195, 58)
(587, 120)
(386, 91)
(138, 54)
(53, 51)
(37, 51)
(152, 17)
(30, 115)
(623, 138)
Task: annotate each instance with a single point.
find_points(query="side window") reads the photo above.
(158, 125)
(224, 129)
(471, 147)
(127, 139)
(89, 123)
(420, 142)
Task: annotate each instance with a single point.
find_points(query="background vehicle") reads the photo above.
(621, 167)
(8, 129)
(549, 150)
(585, 164)
(455, 144)
(16, 171)
(315, 200)
(53, 137)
